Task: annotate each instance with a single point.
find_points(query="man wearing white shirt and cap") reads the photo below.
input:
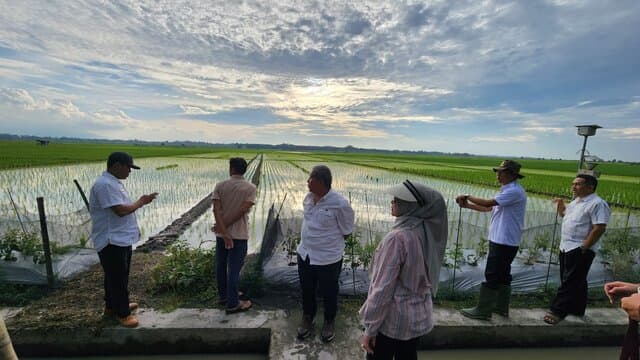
(328, 221)
(584, 221)
(114, 229)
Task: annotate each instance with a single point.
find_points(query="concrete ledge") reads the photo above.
(273, 332)
(181, 331)
(118, 341)
(525, 328)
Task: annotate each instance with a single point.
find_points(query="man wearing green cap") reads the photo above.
(505, 230)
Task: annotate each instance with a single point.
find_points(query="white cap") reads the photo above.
(401, 192)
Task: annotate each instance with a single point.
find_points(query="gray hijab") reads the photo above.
(427, 219)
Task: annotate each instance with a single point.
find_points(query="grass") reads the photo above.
(20, 154)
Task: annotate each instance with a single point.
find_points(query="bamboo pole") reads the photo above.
(6, 348)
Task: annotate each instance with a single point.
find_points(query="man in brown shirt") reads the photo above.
(232, 200)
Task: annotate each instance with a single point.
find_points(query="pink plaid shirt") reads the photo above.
(399, 300)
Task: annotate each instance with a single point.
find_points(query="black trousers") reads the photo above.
(498, 269)
(325, 279)
(388, 349)
(571, 297)
(116, 261)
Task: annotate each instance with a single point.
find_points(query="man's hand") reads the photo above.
(367, 343)
(618, 289)
(560, 207)
(461, 200)
(631, 305)
(146, 199)
(228, 242)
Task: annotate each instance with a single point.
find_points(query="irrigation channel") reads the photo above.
(185, 181)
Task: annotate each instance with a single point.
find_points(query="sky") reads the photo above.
(505, 78)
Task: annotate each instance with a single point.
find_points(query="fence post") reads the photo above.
(84, 197)
(45, 241)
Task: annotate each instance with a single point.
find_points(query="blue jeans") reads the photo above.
(228, 265)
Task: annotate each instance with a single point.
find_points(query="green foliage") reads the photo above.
(251, 279)
(619, 252)
(10, 242)
(482, 247)
(366, 252)
(453, 257)
(533, 251)
(184, 269)
(29, 243)
(20, 295)
(172, 166)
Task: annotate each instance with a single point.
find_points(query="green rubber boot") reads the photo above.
(502, 302)
(487, 301)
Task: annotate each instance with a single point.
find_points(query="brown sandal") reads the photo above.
(552, 319)
(242, 306)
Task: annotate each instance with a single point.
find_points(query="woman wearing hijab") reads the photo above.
(404, 274)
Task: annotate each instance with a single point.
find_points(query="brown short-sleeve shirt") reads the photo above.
(232, 193)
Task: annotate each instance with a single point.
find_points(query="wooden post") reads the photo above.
(6, 348)
(45, 241)
(84, 197)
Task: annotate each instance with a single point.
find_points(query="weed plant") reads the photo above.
(186, 271)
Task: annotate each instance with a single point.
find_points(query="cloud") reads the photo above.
(505, 139)
(624, 134)
(327, 72)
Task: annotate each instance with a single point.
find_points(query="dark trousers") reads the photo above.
(116, 261)
(325, 279)
(498, 269)
(228, 265)
(571, 297)
(387, 349)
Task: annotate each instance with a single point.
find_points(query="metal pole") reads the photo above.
(45, 241)
(455, 254)
(584, 146)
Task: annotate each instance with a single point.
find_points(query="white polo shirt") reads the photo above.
(579, 217)
(507, 218)
(106, 226)
(323, 228)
